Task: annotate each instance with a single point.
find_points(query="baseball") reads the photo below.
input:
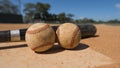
(40, 37)
(69, 35)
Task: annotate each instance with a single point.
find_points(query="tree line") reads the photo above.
(40, 12)
(34, 12)
(6, 6)
(86, 20)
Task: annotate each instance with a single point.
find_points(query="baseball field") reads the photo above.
(101, 51)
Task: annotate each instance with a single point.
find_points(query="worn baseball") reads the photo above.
(40, 37)
(68, 35)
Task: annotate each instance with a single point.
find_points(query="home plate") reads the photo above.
(24, 57)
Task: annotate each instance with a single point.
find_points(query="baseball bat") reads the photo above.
(87, 30)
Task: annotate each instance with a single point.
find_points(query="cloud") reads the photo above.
(117, 5)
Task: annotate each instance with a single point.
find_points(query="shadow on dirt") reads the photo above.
(58, 48)
(13, 46)
(90, 37)
(54, 49)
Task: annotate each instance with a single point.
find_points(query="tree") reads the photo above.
(6, 6)
(40, 11)
(85, 20)
(114, 21)
(62, 17)
(29, 11)
(69, 17)
(37, 11)
(100, 21)
(54, 16)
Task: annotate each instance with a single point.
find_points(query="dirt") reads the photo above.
(101, 51)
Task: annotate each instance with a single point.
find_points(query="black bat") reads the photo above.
(87, 30)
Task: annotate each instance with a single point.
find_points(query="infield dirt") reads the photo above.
(101, 51)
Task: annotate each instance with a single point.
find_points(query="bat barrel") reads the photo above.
(87, 30)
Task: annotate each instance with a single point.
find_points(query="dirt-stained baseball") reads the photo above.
(40, 37)
(69, 35)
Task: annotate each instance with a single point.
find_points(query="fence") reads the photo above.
(10, 18)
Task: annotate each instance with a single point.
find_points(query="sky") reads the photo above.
(92, 9)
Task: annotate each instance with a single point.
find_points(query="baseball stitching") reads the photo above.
(38, 30)
(73, 36)
(42, 45)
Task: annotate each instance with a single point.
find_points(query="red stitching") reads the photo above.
(42, 45)
(73, 36)
(38, 30)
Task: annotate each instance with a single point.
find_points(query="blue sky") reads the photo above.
(93, 9)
